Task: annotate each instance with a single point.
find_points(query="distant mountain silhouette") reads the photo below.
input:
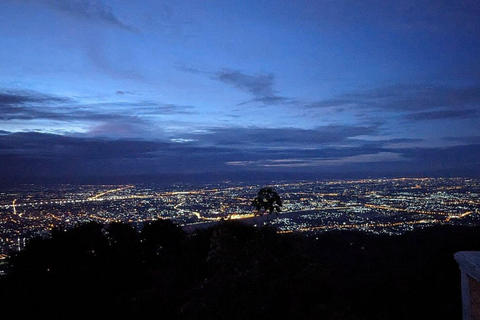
(235, 271)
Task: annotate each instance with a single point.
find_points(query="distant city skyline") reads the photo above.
(117, 88)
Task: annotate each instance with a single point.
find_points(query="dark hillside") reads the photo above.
(235, 271)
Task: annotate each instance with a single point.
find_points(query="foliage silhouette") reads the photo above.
(268, 200)
(163, 233)
(236, 271)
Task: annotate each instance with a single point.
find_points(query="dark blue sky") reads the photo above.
(90, 87)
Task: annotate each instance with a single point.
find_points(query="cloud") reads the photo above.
(394, 98)
(269, 101)
(259, 85)
(421, 97)
(364, 161)
(402, 140)
(48, 154)
(170, 108)
(415, 102)
(464, 140)
(121, 128)
(30, 155)
(413, 97)
(443, 114)
(135, 108)
(321, 162)
(330, 103)
(93, 10)
(142, 119)
(9, 98)
(35, 154)
(268, 138)
(29, 105)
(465, 157)
(50, 146)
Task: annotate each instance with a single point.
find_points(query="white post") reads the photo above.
(466, 309)
(469, 263)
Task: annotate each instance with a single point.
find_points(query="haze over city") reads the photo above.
(115, 88)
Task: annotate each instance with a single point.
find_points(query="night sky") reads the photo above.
(115, 87)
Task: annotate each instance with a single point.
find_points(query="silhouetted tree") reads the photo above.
(236, 271)
(162, 234)
(268, 200)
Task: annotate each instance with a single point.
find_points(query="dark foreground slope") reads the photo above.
(235, 271)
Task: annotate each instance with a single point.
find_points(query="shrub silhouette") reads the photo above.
(162, 233)
(236, 271)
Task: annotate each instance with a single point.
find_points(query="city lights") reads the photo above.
(388, 206)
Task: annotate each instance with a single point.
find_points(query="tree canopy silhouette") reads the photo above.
(268, 200)
(236, 271)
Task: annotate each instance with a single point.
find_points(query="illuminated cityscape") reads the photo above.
(388, 206)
